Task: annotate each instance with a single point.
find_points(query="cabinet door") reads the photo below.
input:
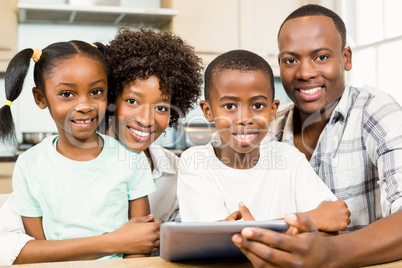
(259, 24)
(210, 26)
(8, 31)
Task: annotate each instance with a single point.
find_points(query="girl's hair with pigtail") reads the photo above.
(45, 63)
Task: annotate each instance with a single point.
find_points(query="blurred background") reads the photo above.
(211, 26)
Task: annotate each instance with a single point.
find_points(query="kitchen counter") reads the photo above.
(158, 262)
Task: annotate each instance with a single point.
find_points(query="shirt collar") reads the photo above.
(161, 161)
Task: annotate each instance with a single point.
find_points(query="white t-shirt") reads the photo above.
(79, 198)
(281, 182)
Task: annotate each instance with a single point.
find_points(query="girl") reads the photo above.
(136, 59)
(80, 183)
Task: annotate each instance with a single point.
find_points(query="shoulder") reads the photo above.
(34, 153)
(282, 150)
(195, 150)
(373, 98)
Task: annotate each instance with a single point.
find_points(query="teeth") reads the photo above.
(83, 121)
(244, 136)
(140, 133)
(310, 91)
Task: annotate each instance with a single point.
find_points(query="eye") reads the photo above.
(96, 92)
(258, 106)
(229, 106)
(66, 94)
(290, 61)
(161, 108)
(322, 58)
(131, 101)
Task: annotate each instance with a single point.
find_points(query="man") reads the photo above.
(352, 138)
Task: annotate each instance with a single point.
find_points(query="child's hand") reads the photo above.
(242, 213)
(139, 236)
(330, 216)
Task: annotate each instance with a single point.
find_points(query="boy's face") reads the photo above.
(76, 94)
(312, 62)
(241, 105)
(142, 113)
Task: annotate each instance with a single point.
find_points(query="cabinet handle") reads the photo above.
(5, 49)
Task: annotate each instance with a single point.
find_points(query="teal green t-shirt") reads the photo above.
(80, 198)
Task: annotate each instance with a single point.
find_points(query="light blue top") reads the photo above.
(80, 198)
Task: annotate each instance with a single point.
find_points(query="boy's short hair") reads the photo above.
(317, 10)
(241, 60)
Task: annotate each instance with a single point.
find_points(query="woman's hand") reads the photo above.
(242, 213)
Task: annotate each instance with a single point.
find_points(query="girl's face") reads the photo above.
(142, 113)
(76, 94)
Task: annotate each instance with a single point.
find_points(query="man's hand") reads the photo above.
(304, 247)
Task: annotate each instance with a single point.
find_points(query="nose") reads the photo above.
(306, 70)
(84, 107)
(145, 117)
(245, 116)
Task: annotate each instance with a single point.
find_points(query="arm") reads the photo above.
(138, 236)
(305, 247)
(139, 207)
(33, 227)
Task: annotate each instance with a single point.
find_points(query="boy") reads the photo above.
(271, 181)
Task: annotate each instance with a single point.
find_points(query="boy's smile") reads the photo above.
(312, 62)
(241, 105)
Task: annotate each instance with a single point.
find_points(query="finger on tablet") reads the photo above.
(245, 212)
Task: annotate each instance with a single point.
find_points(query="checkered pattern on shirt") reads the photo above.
(359, 152)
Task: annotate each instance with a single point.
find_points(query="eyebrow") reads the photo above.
(72, 84)
(141, 95)
(236, 99)
(315, 51)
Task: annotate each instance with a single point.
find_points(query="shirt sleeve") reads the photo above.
(310, 189)
(12, 233)
(382, 133)
(142, 183)
(24, 202)
(199, 197)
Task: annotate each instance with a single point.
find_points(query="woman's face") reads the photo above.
(142, 113)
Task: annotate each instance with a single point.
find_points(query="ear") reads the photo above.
(40, 99)
(347, 58)
(206, 109)
(274, 108)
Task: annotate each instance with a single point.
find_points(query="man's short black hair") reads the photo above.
(317, 10)
(241, 60)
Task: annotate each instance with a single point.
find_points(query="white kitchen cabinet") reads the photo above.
(214, 27)
(210, 26)
(259, 25)
(8, 32)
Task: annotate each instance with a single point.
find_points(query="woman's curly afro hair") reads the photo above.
(137, 53)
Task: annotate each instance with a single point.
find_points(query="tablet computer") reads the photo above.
(207, 240)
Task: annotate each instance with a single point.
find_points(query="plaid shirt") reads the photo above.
(359, 152)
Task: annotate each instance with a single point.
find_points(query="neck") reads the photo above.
(237, 160)
(307, 129)
(79, 150)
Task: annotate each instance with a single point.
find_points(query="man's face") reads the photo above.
(312, 62)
